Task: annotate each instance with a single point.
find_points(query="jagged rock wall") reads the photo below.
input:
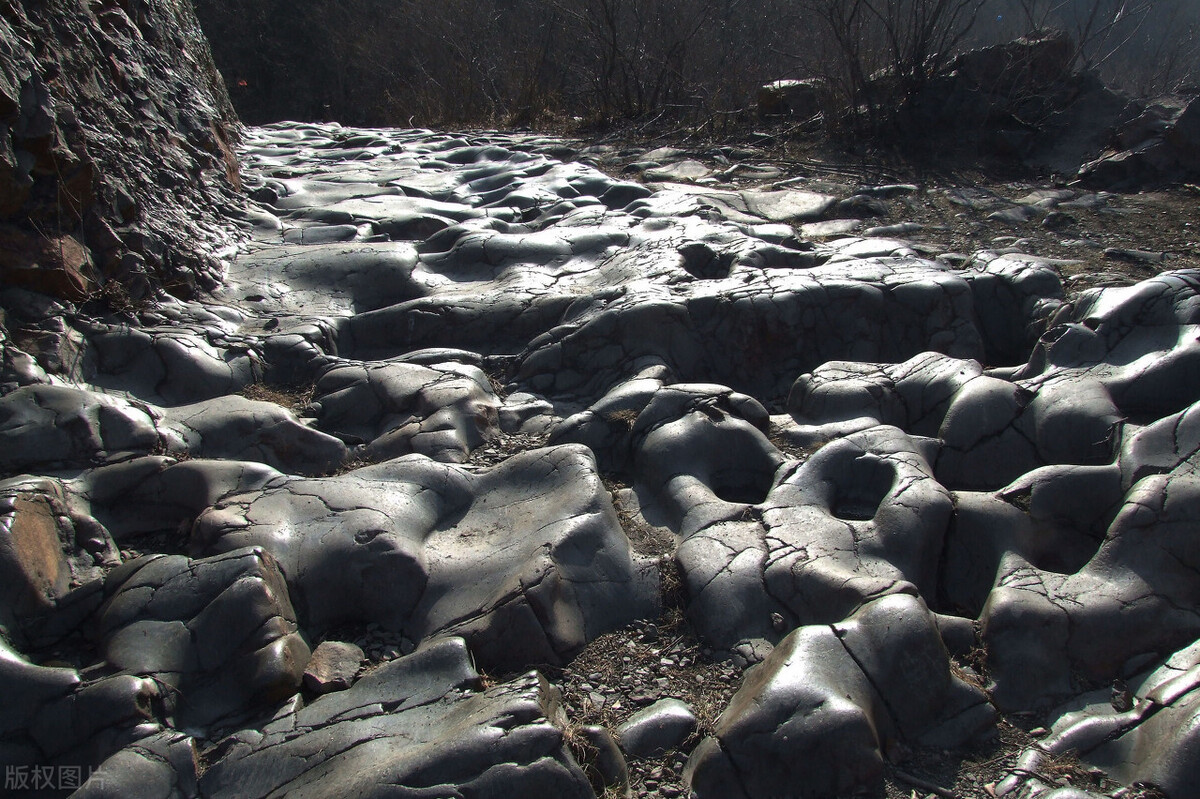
(116, 163)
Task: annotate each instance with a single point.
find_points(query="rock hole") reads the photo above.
(1021, 498)
(743, 486)
(702, 261)
(367, 536)
(862, 488)
(1055, 333)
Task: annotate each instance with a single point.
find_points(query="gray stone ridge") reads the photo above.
(462, 405)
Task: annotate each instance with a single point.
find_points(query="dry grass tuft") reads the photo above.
(624, 419)
(294, 398)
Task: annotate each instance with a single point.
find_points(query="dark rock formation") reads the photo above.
(115, 149)
(816, 718)
(799, 99)
(656, 730)
(420, 725)
(1159, 147)
(536, 394)
(548, 563)
(220, 633)
(1149, 736)
(1023, 101)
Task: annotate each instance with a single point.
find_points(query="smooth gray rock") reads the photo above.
(1014, 299)
(219, 631)
(656, 730)
(60, 427)
(616, 426)
(1016, 215)
(45, 427)
(1153, 742)
(823, 434)
(438, 729)
(914, 395)
(789, 205)
(57, 716)
(833, 228)
(159, 766)
(1137, 341)
(1042, 628)
(996, 430)
(237, 428)
(1169, 445)
(877, 310)
(605, 764)
(991, 429)
(813, 719)
(1053, 518)
(861, 518)
(159, 493)
(684, 170)
(171, 367)
(40, 686)
(444, 410)
(320, 234)
(341, 278)
(527, 560)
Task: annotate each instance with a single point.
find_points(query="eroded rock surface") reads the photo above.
(817, 715)
(463, 399)
(526, 560)
(419, 724)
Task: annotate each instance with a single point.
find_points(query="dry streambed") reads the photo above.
(486, 473)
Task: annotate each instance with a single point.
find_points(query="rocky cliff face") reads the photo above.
(115, 149)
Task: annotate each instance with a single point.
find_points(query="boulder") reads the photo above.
(658, 729)
(1158, 147)
(33, 571)
(815, 718)
(333, 667)
(1025, 65)
(219, 631)
(799, 99)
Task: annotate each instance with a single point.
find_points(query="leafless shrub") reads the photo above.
(879, 54)
(699, 62)
(1144, 46)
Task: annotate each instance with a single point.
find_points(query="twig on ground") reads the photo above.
(924, 785)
